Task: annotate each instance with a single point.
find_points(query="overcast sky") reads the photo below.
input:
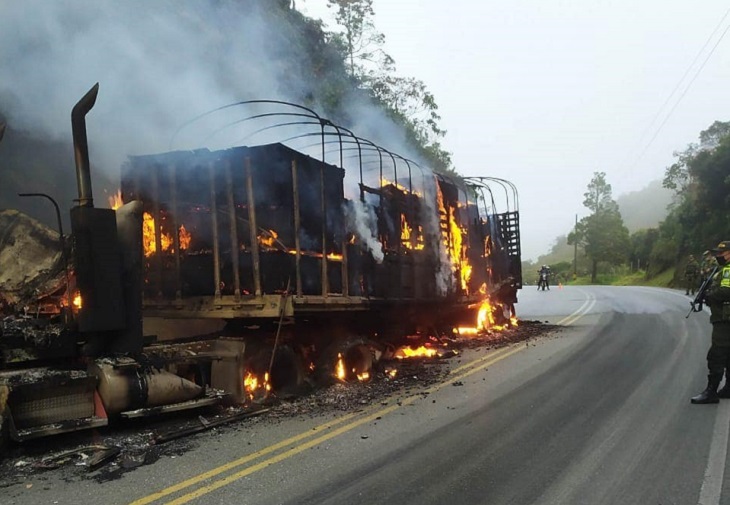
(547, 92)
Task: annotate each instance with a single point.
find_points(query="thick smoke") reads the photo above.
(159, 64)
(361, 221)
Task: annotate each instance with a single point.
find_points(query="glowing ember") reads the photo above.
(391, 373)
(77, 301)
(421, 352)
(334, 257)
(362, 377)
(467, 330)
(340, 367)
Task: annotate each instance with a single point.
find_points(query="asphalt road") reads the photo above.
(598, 413)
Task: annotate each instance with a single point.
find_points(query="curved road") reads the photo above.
(598, 413)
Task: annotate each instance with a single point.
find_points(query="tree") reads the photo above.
(602, 235)
(407, 100)
(700, 217)
(642, 243)
(360, 42)
(598, 197)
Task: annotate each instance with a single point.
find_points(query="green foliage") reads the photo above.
(602, 235)
(405, 99)
(700, 177)
(642, 243)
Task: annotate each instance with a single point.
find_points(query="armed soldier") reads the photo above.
(706, 265)
(691, 275)
(718, 299)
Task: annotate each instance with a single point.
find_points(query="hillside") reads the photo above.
(641, 209)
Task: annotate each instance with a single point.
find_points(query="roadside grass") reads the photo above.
(638, 278)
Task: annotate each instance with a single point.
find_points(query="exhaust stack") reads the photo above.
(81, 146)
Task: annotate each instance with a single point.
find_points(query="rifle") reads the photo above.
(696, 304)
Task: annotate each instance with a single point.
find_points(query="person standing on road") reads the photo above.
(706, 265)
(691, 274)
(718, 299)
(543, 278)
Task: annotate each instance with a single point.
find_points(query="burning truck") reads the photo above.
(310, 281)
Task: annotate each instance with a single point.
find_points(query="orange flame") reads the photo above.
(267, 238)
(77, 302)
(184, 237)
(408, 236)
(340, 367)
(149, 240)
(115, 200)
(485, 317)
(252, 385)
(421, 352)
(454, 239)
(386, 182)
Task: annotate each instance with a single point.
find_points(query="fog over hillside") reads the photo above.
(641, 209)
(645, 208)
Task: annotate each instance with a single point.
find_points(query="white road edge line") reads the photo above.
(715, 472)
(582, 310)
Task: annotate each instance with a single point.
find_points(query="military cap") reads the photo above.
(721, 247)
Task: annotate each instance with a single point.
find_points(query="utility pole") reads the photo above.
(575, 250)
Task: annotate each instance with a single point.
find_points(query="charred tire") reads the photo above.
(287, 371)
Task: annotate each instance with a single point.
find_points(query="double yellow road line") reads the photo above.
(237, 469)
(275, 453)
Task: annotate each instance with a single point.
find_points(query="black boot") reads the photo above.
(709, 395)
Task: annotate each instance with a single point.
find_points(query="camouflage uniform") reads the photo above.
(691, 274)
(718, 357)
(718, 299)
(706, 266)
